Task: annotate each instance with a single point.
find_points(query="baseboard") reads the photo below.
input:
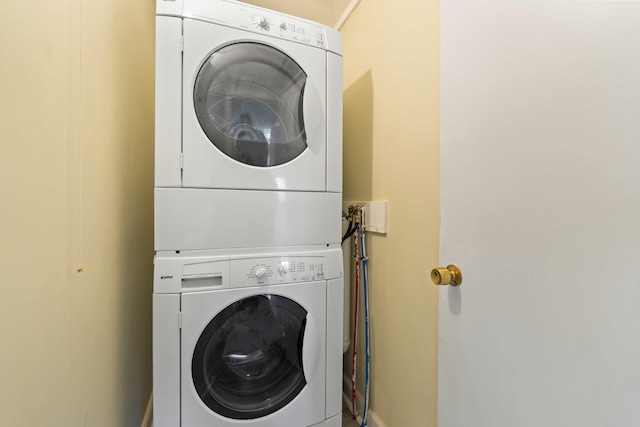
(147, 421)
(372, 419)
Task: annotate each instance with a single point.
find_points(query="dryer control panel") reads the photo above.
(272, 271)
(257, 20)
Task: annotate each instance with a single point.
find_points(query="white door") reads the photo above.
(541, 211)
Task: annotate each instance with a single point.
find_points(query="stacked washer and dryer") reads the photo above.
(248, 277)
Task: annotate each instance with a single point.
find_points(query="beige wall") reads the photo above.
(76, 233)
(391, 140)
(327, 12)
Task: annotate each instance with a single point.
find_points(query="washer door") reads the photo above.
(248, 100)
(254, 355)
(248, 362)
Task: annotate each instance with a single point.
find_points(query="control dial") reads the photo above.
(262, 22)
(260, 271)
(281, 269)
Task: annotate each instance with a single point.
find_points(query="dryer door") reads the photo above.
(248, 101)
(250, 354)
(254, 111)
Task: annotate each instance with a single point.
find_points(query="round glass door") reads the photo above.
(248, 98)
(248, 361)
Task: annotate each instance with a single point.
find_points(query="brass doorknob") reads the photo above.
(446, 276)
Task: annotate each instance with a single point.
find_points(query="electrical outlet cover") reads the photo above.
(376, 216)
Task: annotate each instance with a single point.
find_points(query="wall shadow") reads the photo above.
(358, 140)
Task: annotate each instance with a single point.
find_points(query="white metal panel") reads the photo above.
(169, 7)
(540, 194)
(192, 219)
(249, 252)
(205, 166)
(334, 263)
(335, 301)
(168, 272)
(168, 128)
(332, 422)
(347, 259)
(313, 350)
(334, 41)
(197, 311)
(166, 360)
(334, 122)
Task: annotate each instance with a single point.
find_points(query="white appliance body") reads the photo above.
(246, 100)
(248, 338)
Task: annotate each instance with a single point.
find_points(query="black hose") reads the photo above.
(350, 231)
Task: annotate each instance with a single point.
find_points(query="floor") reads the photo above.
(347, 418)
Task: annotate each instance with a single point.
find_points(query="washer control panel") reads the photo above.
(199, 271)
(271, 271)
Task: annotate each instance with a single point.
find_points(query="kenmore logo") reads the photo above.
(166, 277)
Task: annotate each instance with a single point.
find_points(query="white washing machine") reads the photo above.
(248, 127)
(248, 338)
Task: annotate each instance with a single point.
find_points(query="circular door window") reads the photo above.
(248, 361)
(248, 98)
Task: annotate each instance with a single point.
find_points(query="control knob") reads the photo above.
(260, 271)
(262, 22)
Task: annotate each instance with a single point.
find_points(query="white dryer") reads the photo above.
(248, 338)
(246, 99)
